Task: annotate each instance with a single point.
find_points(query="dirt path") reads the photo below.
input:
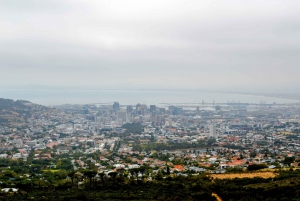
(217, 197)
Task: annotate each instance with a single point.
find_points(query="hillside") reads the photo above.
(17, 113)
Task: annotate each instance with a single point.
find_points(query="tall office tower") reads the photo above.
(153, 116)
(197, 111)
(144, 109)
(129, 109)
(212, 131)
(172, 107)
(178, 111)
(162, 110)
(158, 120)
(152, 108)
(171, 110)
(122, 115)
(116, 107)
(85, 110)
(141, 109)
(137, 107)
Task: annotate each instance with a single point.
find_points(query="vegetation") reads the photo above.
(133, 128)
(115, 186)
(256, 167)
(40, 182)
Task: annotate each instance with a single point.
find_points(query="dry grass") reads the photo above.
(285, 133)
(264, 175)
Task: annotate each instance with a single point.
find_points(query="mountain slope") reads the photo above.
(18, 112)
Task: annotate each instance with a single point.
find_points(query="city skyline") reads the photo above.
(149, 100)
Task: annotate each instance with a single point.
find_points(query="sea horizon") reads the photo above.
(50, 97)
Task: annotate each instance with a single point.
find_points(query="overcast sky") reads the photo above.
(151, 44)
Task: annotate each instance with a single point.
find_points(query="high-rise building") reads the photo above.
(129, 109)
(162, 110)
(158, 120)
(137, 108)
(172, 107)
(122, 115)
(152, 108)
(153, 114)
(197, 111)
(212, 131)
(141, 109)
(116, 107)
(85, 110)
(153, 117)
(178, 111)
(173, 110)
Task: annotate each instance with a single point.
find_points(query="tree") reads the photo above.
(143, 170)
(78, 178)
(168, 170)
(256, 167)
(121, 172)
(289, 160)
(90, 174)
(253, 154)
(113, 175)
(15, 150)
(102, 174)
(72, 175)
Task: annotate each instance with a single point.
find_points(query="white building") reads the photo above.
(212, 131)
(133, 166)
(119, 166)
(3, 155)
(18, 143)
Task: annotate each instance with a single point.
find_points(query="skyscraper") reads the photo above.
(152, 108)
(122, 115)
(162, 110)
(116, 107)
(129, 109)
(212, 131)
(197, 111)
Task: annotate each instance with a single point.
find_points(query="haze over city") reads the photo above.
(218, 45)
(149, 100)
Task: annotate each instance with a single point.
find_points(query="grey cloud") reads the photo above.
(187, 43)
(22, 6)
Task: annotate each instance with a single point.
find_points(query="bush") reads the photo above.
(256, 167)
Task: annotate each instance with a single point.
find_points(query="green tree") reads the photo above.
(113, 175)
(90, 174)
(72, 176)
(102, 175)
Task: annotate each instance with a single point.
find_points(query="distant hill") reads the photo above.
(18, 112)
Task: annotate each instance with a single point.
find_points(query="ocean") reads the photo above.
(131, 97)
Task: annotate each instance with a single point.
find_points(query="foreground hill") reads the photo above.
(284, 187)
(17, 113)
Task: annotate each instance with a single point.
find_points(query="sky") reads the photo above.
(190, 44)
